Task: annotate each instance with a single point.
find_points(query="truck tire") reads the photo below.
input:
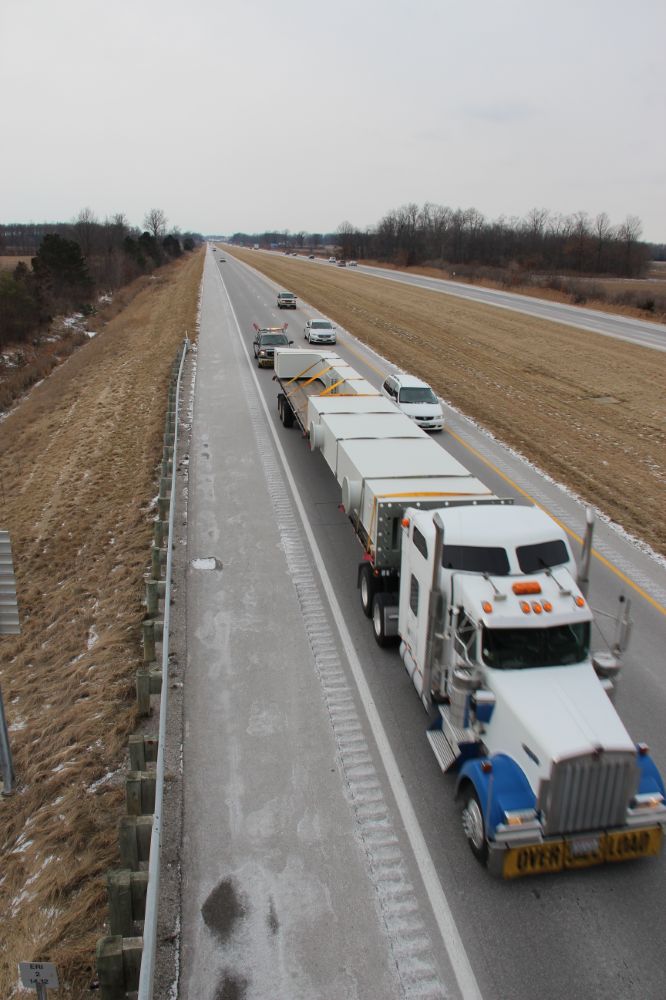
(286, 412)
(368, 587)
(473, 824)
(379, 603)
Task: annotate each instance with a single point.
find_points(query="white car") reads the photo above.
(352, 263)
(331, 260)
(416, 399)
(319, 331)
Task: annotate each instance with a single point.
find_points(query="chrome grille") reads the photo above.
(589, 792)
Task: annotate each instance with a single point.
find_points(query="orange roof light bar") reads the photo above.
(527, 587)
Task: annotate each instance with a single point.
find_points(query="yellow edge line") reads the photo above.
(572, 534)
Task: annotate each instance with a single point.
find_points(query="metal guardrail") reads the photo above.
(152, 896)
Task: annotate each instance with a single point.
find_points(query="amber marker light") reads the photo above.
(547, 606)
(405, 522)
(536, 608)
(580, 603)
(487, 607)
(527, 587)
(486, 766)
(525, 607)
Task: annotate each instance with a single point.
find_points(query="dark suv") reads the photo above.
(265, 342)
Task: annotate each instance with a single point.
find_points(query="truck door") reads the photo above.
(415, 594)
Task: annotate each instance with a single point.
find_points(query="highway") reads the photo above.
(634, 331)
(330, 862)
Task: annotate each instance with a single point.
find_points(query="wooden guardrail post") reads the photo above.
(148, 629)
(140, 792)
(110, 968)
(152, 598)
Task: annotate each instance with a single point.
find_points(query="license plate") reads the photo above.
(582, 852)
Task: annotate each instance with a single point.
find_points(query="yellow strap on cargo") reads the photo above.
(438, 493)
(308, 381)
(304, 372)
(334, 386)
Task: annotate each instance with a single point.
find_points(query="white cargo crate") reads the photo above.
(333, 429)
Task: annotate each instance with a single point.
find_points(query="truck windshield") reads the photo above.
(519, 648)
(417, 395)
(273, 338)
(476, 559)
(542, 555)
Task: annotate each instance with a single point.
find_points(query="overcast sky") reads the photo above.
(301, 114)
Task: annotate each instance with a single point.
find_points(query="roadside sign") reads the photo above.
(38, 974)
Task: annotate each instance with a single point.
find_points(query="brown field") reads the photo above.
(78, 462)
(587, 409)
(9, 263)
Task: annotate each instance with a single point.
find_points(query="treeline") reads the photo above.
(444, 237)
(73, 263)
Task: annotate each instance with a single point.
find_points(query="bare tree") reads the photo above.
(85, 226)
(629, 232)
(602, 231)
(155, 221)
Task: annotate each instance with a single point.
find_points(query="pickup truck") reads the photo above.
(286, 300)
(266, 339)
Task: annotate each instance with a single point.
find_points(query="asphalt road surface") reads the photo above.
(323, 855)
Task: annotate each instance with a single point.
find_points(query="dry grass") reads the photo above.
(618, 296)
(589, 410)
(77, 474)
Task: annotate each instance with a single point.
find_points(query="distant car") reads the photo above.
(341, 263)
(351, 263)
(265, 342)
(331, 260)
(286, 300)
(416, 399)
(319, 331)
(311, 256)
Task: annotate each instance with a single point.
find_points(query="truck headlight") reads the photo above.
(262, 354)
(516, 817)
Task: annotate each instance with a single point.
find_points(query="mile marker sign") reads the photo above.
(38, 974)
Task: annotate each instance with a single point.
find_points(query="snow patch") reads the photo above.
(208, 563)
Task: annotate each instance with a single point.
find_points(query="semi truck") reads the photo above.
(491, 616)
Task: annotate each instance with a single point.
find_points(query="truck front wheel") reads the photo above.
(367, 584)
(379, 604)
(474, 826)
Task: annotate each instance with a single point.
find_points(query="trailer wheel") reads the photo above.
(287, 414)
(474, 826)
(367, 584)
(379, 603)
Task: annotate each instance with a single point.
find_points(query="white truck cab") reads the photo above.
(495, 629)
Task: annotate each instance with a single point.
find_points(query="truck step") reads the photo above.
(441, 748)
(456, 737)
